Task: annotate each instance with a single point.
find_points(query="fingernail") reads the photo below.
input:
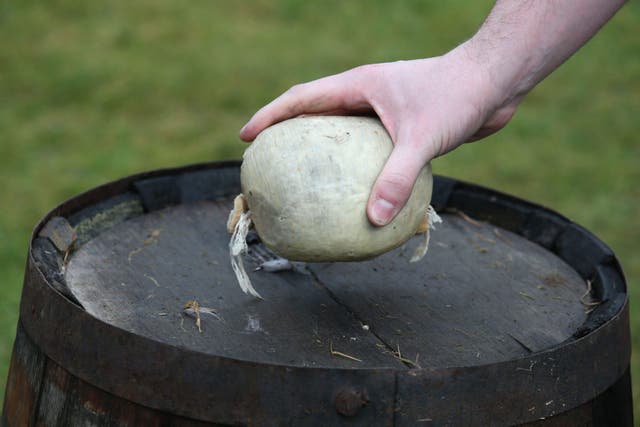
(382, 212)
(243, 128)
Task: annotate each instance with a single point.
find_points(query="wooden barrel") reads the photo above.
(517, 316)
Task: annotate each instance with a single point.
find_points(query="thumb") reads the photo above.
(394, 184)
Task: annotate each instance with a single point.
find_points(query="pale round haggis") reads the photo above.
(307, 181)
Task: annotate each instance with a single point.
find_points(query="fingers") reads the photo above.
(333, 93)
(394, 184)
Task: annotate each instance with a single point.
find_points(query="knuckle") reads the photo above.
(294, 100)
(366, 71)
(295, 90)
(396, 186)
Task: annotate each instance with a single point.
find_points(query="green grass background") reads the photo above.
(92, 91)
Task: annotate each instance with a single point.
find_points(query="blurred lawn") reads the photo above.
(92, 91)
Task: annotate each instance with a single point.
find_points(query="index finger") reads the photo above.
(333, 93)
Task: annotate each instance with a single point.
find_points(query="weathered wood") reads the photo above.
(24, 381)
(68, 401)
(140, 275)
(60, 233)
(599, 411)
(489, 329)
(481, 295)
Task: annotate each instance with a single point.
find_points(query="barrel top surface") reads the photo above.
(481, 295)
(513, 303)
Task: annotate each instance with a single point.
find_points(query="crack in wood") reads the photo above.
(355, 315)
(522, 344)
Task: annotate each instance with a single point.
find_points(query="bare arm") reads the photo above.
(431, 106)
(521, 42)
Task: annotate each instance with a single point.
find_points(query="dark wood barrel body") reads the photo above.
(516, 316)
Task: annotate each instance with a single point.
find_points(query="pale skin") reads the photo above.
(431, 106)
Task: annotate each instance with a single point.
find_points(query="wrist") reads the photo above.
(509, 70)
(491, 86)
(520, 43)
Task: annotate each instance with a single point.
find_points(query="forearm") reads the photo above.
(522, 41)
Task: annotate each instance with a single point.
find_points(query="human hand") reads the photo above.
(428, 106)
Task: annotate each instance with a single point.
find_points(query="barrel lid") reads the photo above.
(481, 295)
(147, 259)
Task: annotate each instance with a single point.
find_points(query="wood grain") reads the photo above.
(481, 295)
